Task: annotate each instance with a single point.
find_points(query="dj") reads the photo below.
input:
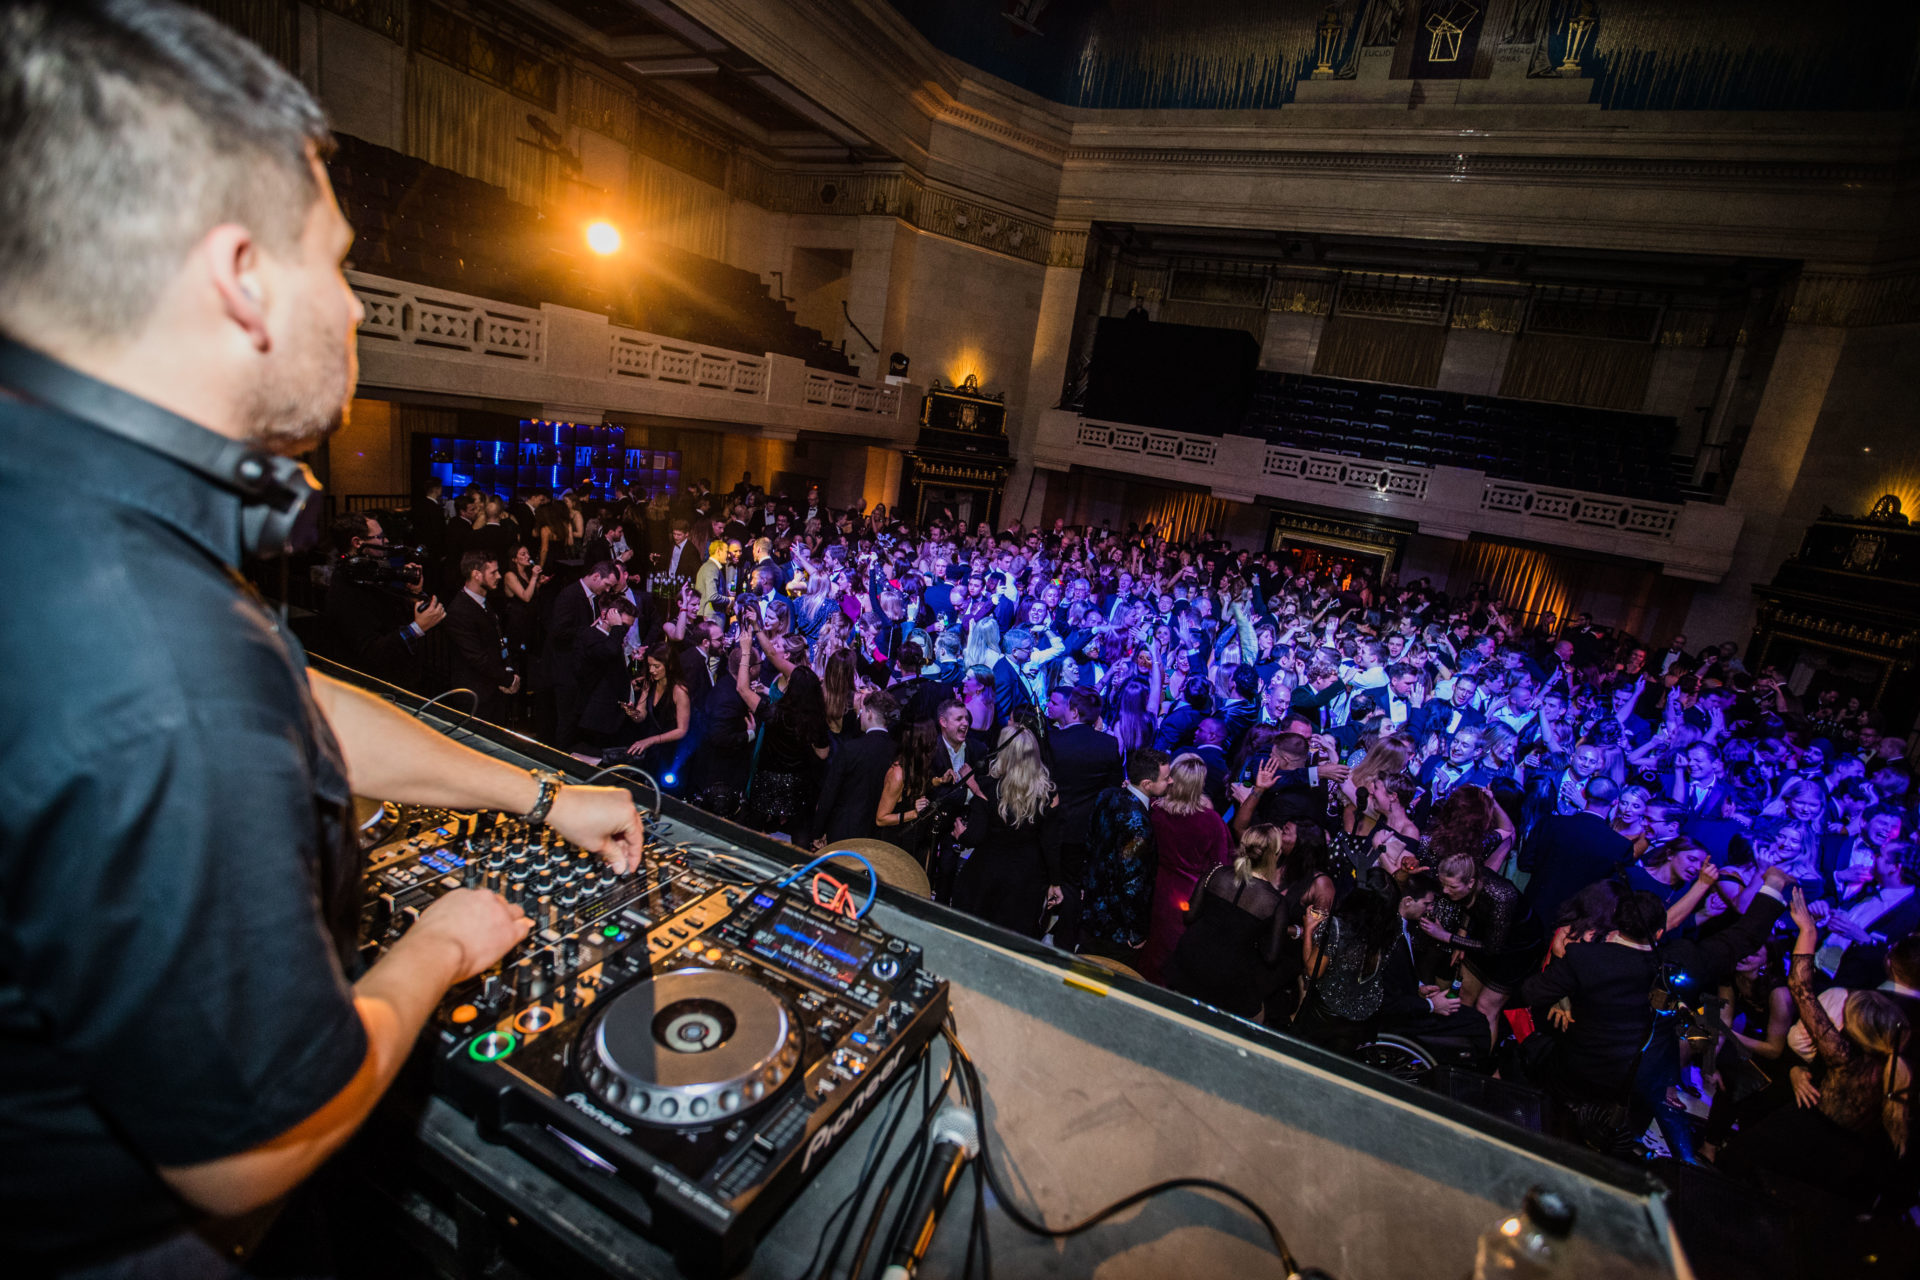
(179, 1037)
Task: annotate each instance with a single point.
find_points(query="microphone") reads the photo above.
(955, 1135)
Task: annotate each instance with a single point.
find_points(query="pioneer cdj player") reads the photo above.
(682, 1048)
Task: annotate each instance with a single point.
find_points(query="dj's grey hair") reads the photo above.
(128, 130)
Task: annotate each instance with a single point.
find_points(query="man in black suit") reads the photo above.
(1456, 713)
(680, 558)
(1209, 743)
(1294, 791)
(1084, 760)
(605, 685)
(478, 641)
(965, 754)
(569, 620)
(1012, 693)
(1568, 852)
(1242, 710)
(1886, 908)
(850, 793)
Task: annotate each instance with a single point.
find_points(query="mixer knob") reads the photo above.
(471, 879)
(490, 989)
(570, 953)
(570, 895)
(543, 883)
(523, 980)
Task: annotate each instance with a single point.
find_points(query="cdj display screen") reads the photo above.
(810, 948)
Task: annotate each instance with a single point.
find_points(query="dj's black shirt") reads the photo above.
(173, 843)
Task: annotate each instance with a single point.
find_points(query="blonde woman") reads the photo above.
(1369, 796)
(1191, 840)
(1234, 952)
(983, 643)
(1013, 824)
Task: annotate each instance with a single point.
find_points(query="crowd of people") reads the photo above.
(1647, 881)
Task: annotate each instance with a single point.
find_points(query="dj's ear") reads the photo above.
(233, 265)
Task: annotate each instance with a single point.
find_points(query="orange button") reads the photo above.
(713, 955)
(465, 1013)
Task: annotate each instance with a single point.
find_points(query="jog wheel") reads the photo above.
(689, 1048)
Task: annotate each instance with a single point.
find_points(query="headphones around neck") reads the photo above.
(277, 511)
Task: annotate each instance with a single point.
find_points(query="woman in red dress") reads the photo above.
(1191, 840)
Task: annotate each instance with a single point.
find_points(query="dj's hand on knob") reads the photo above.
(482, 924)
(601, 820)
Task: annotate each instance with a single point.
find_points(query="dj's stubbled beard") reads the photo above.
(308, 397)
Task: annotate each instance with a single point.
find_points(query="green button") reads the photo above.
(610, 931)
(492, 1046)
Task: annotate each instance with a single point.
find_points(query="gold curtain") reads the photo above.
(678, 209)
(458, 123)
(1595, 372)
(1182, 513)
(1635, 597)
(1372, 350)
(1528, 580)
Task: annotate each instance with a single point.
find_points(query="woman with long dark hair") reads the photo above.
(661, 710)
(1345, 954)
(1851, 1129)
(907, 793)
(793, 746)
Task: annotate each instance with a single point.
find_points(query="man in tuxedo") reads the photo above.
(605, 686)
(1568, 852)
(850, 793)
(1209, 743)
(572, 615)
(938, 596)
(1456, 713)
(1296, 791)
(700, 665)
(963, 753)
(1242, 710)
(1012, 689)
(478, 641)
(1083, 760)
(1455, 767)
(681, 557)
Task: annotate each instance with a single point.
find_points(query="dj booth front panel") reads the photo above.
(1098, 1086)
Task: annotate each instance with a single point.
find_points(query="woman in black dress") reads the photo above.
(905, 816)
(792, 750)
(1481, 913)
(661, 710)
(1012, 822)
(1242, 950)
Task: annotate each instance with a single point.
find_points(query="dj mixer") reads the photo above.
(684, 1045)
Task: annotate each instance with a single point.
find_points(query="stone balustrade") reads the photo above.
(416, 338)
(1688, 540)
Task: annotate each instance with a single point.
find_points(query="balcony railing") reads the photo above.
(418, 338)
(1690, 539)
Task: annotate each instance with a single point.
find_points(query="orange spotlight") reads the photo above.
(603, 237)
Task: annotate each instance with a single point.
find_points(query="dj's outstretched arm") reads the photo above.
(461, 934)
(392, 756)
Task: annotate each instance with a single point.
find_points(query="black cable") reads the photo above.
(632, 768)
(914, 1157)
(875, 1145)
(924, 1065)
(459, 726)
(1035, 1227)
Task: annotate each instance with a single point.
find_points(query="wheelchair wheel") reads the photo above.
(1401, 1057)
